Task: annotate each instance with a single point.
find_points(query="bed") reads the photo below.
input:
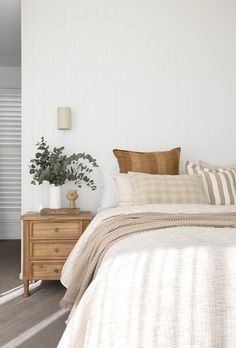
(170, 287)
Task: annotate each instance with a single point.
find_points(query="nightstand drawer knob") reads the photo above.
(56, 229)
(56, 250)
(56, 270)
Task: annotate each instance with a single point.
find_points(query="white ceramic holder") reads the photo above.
(54, 197)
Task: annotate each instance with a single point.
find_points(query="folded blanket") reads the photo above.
(121, 226)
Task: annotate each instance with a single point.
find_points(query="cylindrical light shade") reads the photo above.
(64, 117)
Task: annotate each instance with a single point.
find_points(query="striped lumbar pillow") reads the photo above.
(167, 189)
(206, 165)
(219, 184)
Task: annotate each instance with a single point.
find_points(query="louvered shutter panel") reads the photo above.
(10, 155)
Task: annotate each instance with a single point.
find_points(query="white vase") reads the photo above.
(54, 197)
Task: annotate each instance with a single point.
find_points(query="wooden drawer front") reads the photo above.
(46, 270)
(58, 230)
(51, 250)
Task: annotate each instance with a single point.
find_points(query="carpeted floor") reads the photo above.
(33, 322)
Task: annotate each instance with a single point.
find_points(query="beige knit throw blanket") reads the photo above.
(118, 227)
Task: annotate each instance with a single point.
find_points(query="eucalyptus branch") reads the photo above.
(57, 168)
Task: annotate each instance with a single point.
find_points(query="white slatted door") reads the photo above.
(10, 163)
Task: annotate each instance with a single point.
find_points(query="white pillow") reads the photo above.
(109, 194)
(124, 188)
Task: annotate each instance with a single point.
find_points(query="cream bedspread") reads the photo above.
(174, 287)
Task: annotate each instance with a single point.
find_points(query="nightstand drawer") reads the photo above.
(50, 249)
(46, 270)
(57, 230)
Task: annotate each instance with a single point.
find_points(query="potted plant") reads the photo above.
(57, 168)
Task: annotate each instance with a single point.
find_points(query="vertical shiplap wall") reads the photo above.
(138, 74)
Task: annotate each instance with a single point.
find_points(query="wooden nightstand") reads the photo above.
(47, 242)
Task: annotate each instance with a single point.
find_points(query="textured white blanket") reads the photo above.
(162, 288)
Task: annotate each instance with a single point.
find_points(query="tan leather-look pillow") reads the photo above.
(160, 162)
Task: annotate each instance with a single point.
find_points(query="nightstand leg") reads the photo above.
(26, 288)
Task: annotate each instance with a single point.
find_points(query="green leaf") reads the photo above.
(54, 166)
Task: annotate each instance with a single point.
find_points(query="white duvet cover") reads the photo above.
(168, 288)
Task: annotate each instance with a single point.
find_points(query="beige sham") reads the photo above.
(167, 189)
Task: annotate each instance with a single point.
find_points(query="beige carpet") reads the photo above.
(34, 322)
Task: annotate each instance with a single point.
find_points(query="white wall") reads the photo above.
(138, 74)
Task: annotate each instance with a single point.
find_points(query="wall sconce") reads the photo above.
(63, 117)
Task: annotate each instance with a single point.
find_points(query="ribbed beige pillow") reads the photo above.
(167, 189)
(219, 184)
(206, 165)
(124, 189)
